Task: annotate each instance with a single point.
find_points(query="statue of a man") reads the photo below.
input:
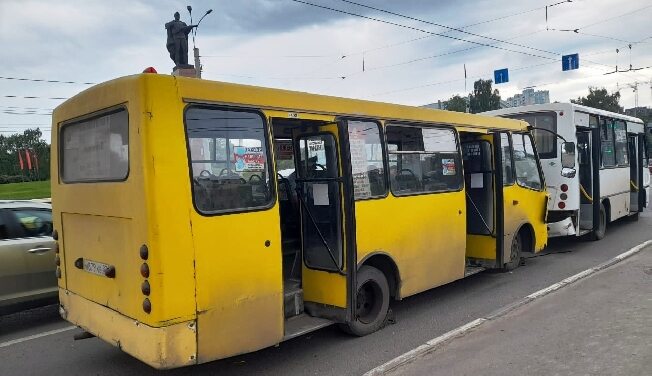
(177, 42)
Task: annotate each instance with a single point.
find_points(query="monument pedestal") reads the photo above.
(185, 71)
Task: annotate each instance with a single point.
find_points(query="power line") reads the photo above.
(418, 29)
(613, 18)
(48, 81)
(449, 27)
(32, 97)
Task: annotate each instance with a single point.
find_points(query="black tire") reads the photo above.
(372, 302)
(602, 225)
(516, 250)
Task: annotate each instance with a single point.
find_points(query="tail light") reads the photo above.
(564, 187)
(561, 205)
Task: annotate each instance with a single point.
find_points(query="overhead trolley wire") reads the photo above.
(419, 29)
(460, 30)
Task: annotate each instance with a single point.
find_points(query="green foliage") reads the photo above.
(456, 103)
(483, 97)
(601, 99)
(9, 161)
(28, 190)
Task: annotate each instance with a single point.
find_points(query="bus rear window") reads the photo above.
(96, 149)
(546, 141)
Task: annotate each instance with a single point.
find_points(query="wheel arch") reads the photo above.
(382, 261)
(527, 230)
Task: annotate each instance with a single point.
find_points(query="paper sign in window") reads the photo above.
(477, 181)
(320, 194)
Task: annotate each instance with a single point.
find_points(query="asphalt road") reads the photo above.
(327, 351)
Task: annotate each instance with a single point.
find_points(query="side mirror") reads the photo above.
(568, 155)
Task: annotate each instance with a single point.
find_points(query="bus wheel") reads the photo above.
(372, 302)
(602, 224)
(515, 252)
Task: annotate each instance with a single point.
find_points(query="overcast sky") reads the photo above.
(286, 44)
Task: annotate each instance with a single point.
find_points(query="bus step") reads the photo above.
(292, 298)
(471, 270)
(302, 324)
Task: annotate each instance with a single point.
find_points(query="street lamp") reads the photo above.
(195, 50)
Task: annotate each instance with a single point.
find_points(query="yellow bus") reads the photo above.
(197, 220)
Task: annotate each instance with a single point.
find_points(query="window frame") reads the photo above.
(269, 159)
(92, 116)
(398, 123)
(542, 178)
(383, 145)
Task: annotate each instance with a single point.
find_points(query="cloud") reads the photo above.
(281, 43)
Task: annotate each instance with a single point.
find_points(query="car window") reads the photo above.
(3, 227)
(33, 222)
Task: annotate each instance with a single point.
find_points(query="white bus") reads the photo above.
(594, 162)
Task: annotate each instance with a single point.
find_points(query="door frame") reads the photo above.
(499, 206)
(348, 215)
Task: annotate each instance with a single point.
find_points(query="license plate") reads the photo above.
(95, 267)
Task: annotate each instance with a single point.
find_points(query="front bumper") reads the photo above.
(162, 348)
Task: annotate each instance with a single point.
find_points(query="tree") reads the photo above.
(601, 99)
(31, 140)
(456, 103)
(483, 98)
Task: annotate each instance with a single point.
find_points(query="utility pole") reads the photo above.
(635, 87)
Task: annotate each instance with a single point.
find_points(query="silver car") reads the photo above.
(27, 256)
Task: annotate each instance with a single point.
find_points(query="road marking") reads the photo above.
(460, 331)
(35, 336)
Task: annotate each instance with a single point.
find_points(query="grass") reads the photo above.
(29, 190)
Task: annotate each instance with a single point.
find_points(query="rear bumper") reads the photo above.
(162, 348)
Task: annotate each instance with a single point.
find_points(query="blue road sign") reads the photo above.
(501, 76)
(570, 62)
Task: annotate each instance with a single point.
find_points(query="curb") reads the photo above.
(434, 343)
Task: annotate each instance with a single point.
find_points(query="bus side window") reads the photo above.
(367, 165)
(228, 159)
(607, 154)
(425, 160)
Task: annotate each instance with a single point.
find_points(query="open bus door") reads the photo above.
(635, 172)
(325, 200)
(585, 176)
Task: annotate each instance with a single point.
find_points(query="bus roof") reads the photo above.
(561, 107)
(192, 90)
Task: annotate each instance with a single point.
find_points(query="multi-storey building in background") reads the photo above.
(528, 97)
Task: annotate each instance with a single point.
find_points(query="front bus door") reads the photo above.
(328, 258)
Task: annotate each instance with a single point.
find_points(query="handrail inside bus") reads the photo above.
(304, 204)
(585, 194)
(634, 185)
(479, 214)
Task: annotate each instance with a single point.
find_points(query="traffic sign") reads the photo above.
(501, 76)
(570, 62)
